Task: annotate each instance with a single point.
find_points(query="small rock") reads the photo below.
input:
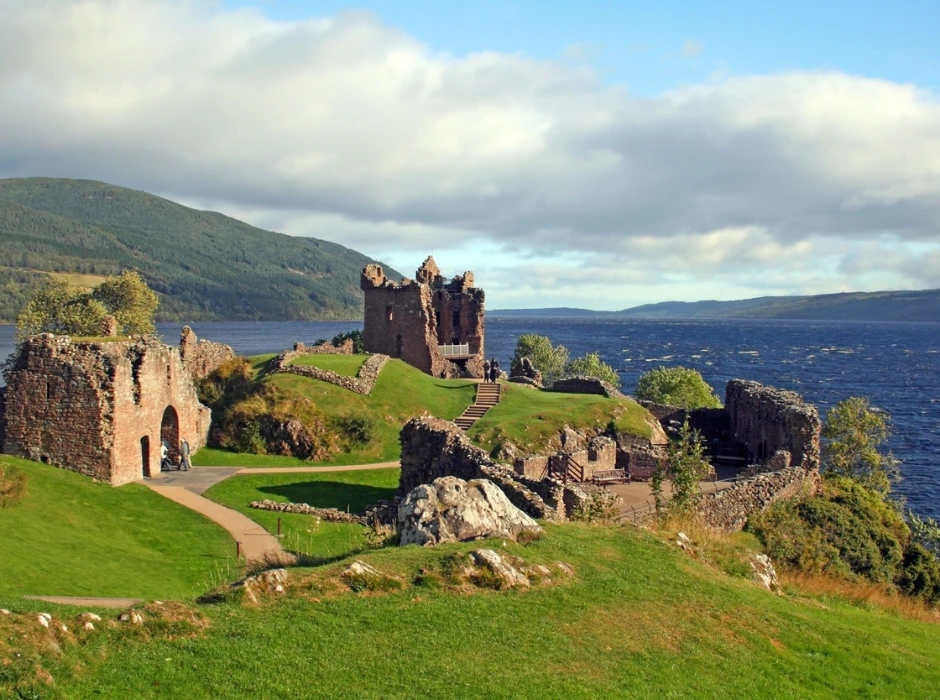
(764, 572)
(360, 568)
(500, 566)
(64, 628)
(566, 569)
(4, 611)
(685, 543)
(124, 617)
(137, 618)
(43, 621)
(91, 616)
(89, 626)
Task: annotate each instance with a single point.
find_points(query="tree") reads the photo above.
(131, 302)
(685, 466)
(548, 359)
(591, 365)
(852, 436)
(676, 386)
(55, 308)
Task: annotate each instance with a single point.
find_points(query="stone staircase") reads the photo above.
(487, 397)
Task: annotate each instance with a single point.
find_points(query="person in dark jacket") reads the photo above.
(486, 371)
(184, 455)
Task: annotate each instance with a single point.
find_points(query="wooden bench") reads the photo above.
(611, 476)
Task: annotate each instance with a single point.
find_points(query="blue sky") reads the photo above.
(573, 154)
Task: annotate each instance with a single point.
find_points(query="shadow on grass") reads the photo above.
(330, 494)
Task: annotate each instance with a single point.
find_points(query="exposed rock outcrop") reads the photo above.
(453, 510)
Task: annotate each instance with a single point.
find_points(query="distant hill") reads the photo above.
(851, 306)
(205, 266)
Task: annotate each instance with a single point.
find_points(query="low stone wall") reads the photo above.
(362, 383)
(587, 385)
(201, 357)
(383, 511)
(729, 510)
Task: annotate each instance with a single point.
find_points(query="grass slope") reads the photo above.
(349, 491)
(400, 394)
(72, 536)
(347, 365)
(640, 620)
(203, 265)
(529, 418)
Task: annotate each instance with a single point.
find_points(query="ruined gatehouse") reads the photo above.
(431, 323)
(102, 408)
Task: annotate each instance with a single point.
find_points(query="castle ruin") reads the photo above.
(103, 408)
(431, 323)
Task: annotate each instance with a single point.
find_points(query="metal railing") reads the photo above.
(452, 350)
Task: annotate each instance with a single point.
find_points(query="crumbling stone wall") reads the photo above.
(201, 357)
(432, 448)
(411, 320)
(711, 423)
(767, 420)
(728, 510)
(362, 383)
(97, 408)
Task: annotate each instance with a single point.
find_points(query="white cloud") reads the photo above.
(347, 129)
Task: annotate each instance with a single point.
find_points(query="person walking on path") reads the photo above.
(184, 455)
(164, 457)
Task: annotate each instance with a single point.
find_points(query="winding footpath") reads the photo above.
(256, 544)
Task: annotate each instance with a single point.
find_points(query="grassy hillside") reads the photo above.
(204, 265)
(640, 619)
(72, 536)
(530, 418)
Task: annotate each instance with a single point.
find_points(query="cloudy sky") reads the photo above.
(594, 154)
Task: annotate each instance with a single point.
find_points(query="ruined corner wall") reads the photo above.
(587, 385)
(432, 448)
(729, 510)
(201, 357)
(767, 420)
(97, 408)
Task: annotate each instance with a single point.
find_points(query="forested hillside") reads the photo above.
(203, 265)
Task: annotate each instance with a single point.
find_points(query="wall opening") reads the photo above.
(145, 455)
(399, 342)
(388, 313)
(455, 317)
(170, 433)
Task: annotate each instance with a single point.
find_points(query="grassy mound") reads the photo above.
(71, 536)
(347, 365)
(530, 418)
(640, 619)
(348, 491)
(400, 394)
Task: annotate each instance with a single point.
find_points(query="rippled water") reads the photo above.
(895, 365)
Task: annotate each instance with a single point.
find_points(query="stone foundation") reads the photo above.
(362, 383)
(587, 385)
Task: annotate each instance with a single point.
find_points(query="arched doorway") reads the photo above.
(170, 433)
(145, 455)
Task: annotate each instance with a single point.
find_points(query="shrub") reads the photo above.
(12, 485)
(599, 507)
(545, 357)
(676, 386)
(852, 436)
(591, 365)
(685, 466)
(358, 430)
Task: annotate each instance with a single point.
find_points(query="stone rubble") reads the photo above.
(453, 510)
(764, 572)
(362, 383)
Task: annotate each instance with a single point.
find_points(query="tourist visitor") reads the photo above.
(184, 455)
(494, 370)
(486, 371)
(165, 464)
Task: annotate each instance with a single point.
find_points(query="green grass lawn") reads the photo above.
(347, 365)
(349, 491)
(529, 417)
(72, 536)
(640, 620)
(400, 394)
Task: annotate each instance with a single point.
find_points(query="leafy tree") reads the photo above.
(56, 308)
(685, 466)
(676, 386)
(591, 365)
(548, 359)
(131, 302)
(852, 436)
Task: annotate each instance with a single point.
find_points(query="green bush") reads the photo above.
(591, 365)
(676, 386)
(12, 485)
(852, 436)
(546, 358)
(358, 429)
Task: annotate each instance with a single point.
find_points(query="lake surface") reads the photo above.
(895, 365)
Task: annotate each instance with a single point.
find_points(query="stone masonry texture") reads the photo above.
(101, 409)
(411, 320)
(201, 357)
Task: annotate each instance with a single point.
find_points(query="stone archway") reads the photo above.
(170, 433)
(145, 456)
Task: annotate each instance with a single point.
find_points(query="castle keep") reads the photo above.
(102, 409)
(431, 323)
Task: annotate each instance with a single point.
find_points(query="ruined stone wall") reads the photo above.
(587, 385)
(766, 420)
(728, 510)
(411, 320)
(362, 383)
(711, 423)
(201, 357)
(3, 415)
(97, 408)
(432, 448)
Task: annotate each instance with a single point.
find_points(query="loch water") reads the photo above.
(895, 365)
